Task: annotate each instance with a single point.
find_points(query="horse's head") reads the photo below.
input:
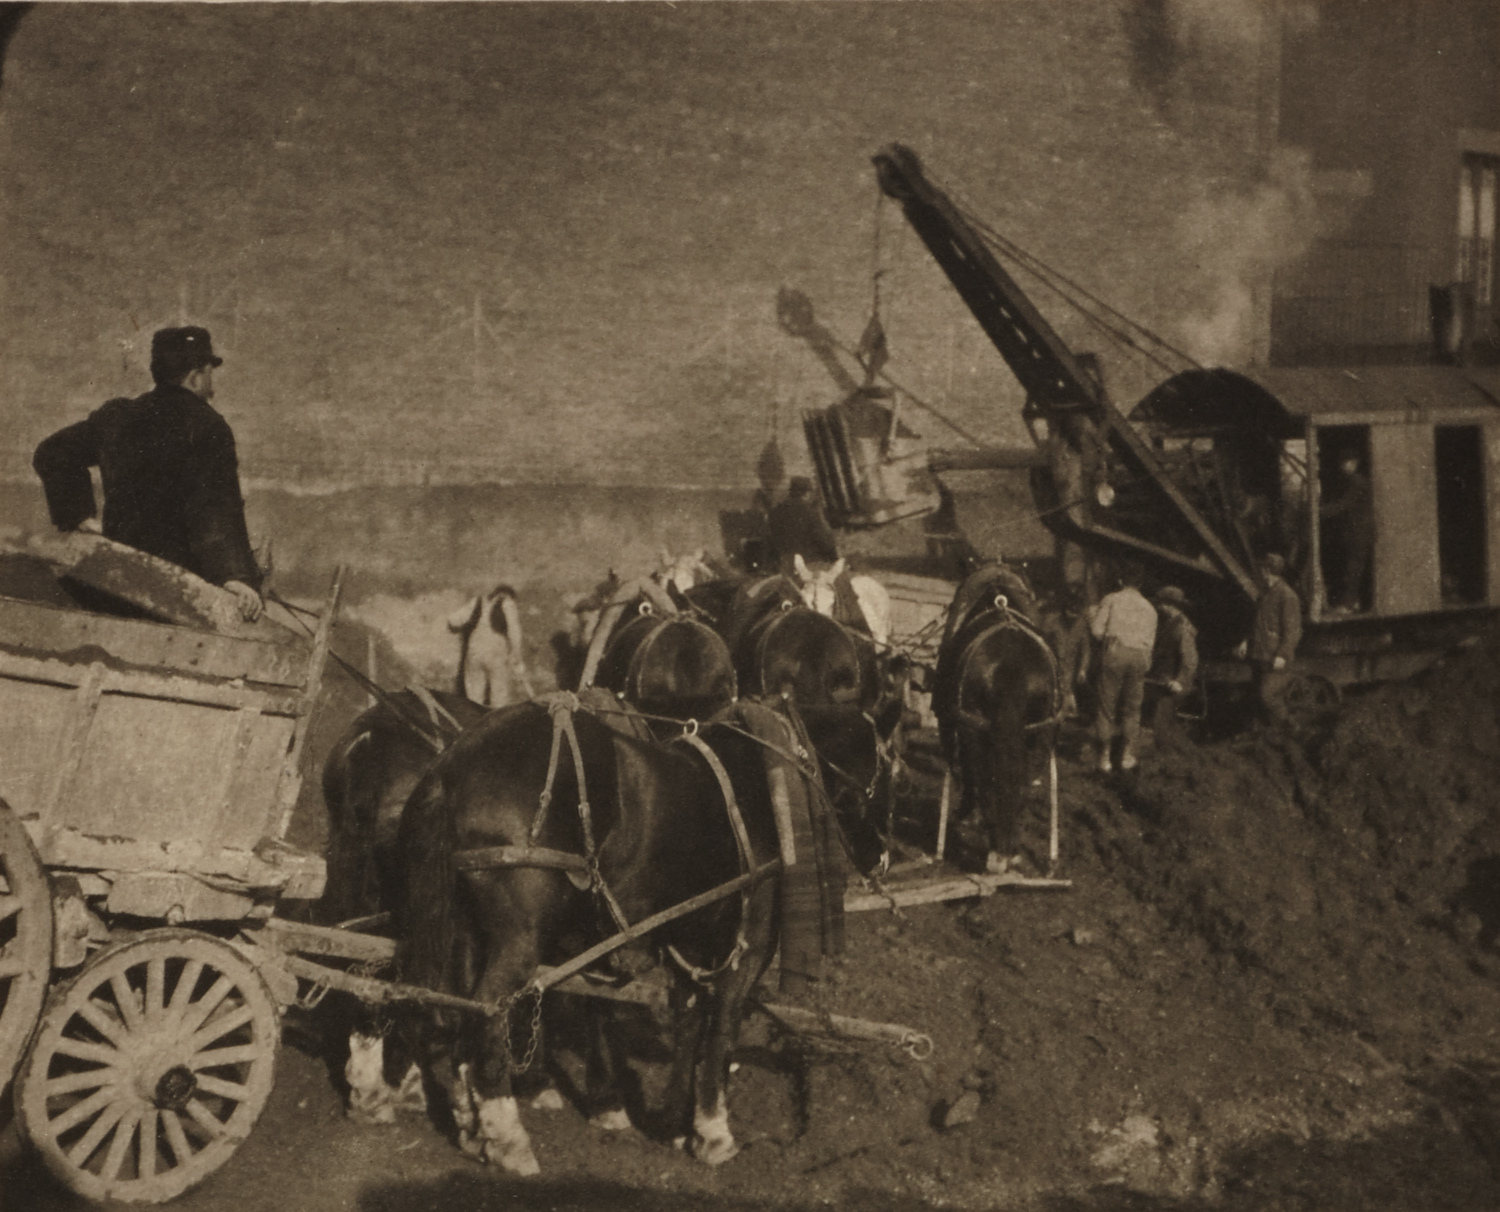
(816, 585)
(856, 759)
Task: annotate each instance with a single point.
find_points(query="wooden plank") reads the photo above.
(927, 892)
(653, 994)
(71, 743)
(153, 771)
(291, 771)
(147, 683)
(37, 629)
(294, 873)
(307, 939)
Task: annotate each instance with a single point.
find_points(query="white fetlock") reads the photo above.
(369, 1096)
(505, 1141)
(548, 1100)
(411, 1095)
(713, 1142)
(611, 1121)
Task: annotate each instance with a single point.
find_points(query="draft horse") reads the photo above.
(659, 659)
(997, 697)
(545, 827)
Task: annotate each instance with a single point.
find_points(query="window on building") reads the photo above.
(1476, 226)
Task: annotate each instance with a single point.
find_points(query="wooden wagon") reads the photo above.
(150, 773)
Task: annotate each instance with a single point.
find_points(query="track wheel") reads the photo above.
(149, 1067)
(25, 939)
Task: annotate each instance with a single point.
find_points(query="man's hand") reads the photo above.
(1241, 649)
(248, 600)
(1278, 664)
(1175, 687)
(89, 526)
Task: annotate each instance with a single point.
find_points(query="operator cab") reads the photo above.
(1381, 486)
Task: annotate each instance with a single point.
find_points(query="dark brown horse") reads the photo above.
(997, 700)
(504, 869)
(368, 774)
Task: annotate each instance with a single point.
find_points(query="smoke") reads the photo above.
(1235, 243)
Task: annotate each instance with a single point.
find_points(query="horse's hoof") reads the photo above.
(513, 1156)
(367, 1116)
(548, 1100)
(611, 1121)
(717, 1151)
(412, 1096)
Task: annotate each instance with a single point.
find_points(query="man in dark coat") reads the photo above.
(797, 527)
(168, 468)
(1274, 636)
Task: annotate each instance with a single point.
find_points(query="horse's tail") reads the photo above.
(351, 829)
(425, 905)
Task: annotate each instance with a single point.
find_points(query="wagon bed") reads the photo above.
(150, 774)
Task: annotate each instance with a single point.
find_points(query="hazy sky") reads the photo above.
(544, 240)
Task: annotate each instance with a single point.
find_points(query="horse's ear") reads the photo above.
(838, 568)
(666, 558)
(800, 565)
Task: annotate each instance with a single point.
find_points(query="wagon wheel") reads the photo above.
(25, 939)
(149, 1067)
(1310, 701)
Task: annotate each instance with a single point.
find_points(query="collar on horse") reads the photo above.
(999, 615)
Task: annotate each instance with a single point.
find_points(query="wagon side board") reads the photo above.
(157, 754)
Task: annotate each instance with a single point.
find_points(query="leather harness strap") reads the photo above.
(1008, 619)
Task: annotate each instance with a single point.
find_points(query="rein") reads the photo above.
(562, 706)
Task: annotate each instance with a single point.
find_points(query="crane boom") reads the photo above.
(1040, 359)
(1080, 417)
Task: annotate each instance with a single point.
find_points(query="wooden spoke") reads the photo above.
(82, 1050)
(120, 1145)
(230, 1090)
(125, 1000)
(146, 1160)
(221, 1027)
(186, 982)
(83, 1109)
(204, 1118)
(200, 1010)
(121, 1091)
(215, 1057)
(88, 1079)
(102, 1021)
(177, 1137)
(101, 1127)
(156, 982)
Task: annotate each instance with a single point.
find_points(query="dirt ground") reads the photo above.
(1273, 983)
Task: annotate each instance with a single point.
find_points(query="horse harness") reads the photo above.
(583, 869)
(1006, 618)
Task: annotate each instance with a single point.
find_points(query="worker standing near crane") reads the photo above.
(1124, 624)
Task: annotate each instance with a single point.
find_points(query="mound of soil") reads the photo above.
(1272, 982)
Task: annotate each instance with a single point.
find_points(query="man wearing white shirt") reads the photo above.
(1124, 624)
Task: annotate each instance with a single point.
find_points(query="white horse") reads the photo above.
(491, 657)
(819, 592)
